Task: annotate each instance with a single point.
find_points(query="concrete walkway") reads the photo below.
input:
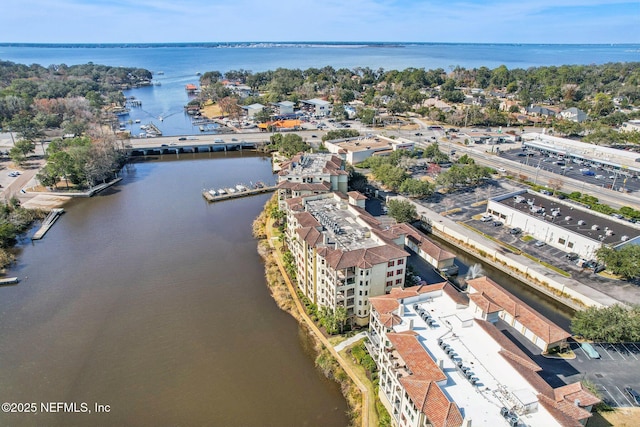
(346, 343)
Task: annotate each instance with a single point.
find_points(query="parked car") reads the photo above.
(572, 256)
(497, 223)
(486, 218)
(539, 244)
(545, 192)
(182, 138)
(635, 396)
(501, 170)
(515, 230)
(591, 352)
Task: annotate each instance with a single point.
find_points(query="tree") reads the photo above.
(262, 116)
(402, 210)
(366, 115)
(624, 261)
(416, 188)
(609, 324)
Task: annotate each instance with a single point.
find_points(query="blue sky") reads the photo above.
(489, 21)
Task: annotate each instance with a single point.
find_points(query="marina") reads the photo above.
(238, 191)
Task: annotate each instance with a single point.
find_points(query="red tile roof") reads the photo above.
(357, 195)
(421, 385)
(422, 241)
(536, 322)
(485, 303)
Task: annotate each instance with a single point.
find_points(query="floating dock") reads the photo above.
(47, 223)
(237, 194)
(9, 281)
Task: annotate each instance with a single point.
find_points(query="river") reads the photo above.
(152, 301)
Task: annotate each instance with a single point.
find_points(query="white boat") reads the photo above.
(222, 191)
(231, 190)
(137, 120)
(213, 192)
(241, 187)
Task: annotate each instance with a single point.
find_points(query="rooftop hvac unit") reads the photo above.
(595, 227)
(459, 364)
(439, 341)
(504, 411)
(513, 421)
(609, 232)
(582, 222)
(452, 355)
(567, 218)
(624, 238)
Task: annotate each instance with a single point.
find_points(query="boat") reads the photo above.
(241, 187)
(137, 120)
(222, 192)
(231, 190)
(213, 192)
(201, 128)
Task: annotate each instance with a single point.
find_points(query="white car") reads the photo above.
(501, 170)
(486, 218)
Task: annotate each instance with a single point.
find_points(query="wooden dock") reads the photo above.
(47, 223)
(249, 192)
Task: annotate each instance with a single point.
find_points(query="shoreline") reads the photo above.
(328, 359)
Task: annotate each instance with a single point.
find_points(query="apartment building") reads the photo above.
(342, 256)
(442, 364)
(311, 173)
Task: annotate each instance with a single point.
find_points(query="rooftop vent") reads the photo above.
(582, 222)
(595, 227)
(624, 238)
(567, 218)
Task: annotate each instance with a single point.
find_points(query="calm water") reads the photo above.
(181, 63)
(150, 300)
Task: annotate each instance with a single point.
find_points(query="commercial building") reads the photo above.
(562, 224)
(317, 107)
(311, 173)
(442, 364)
(356, 150)
(341, 255)
(625, 163)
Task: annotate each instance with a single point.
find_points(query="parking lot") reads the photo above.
(602, 177)
(618, 367)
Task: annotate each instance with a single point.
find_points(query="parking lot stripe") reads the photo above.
(630, 351)
(582, 349)
(613, 398)
(625, 396)
(615, 347)
(637, 348)
(604, 349)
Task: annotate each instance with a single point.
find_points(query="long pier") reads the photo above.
(47, 223)
(249, 192)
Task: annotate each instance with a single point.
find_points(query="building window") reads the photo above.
(390, 263)
(398, 281)
(390, 283)
(561, 241)
(400, 261)
(570, 244)
(389, 273)
(398, 272)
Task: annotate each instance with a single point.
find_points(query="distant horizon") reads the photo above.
(308, 42)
